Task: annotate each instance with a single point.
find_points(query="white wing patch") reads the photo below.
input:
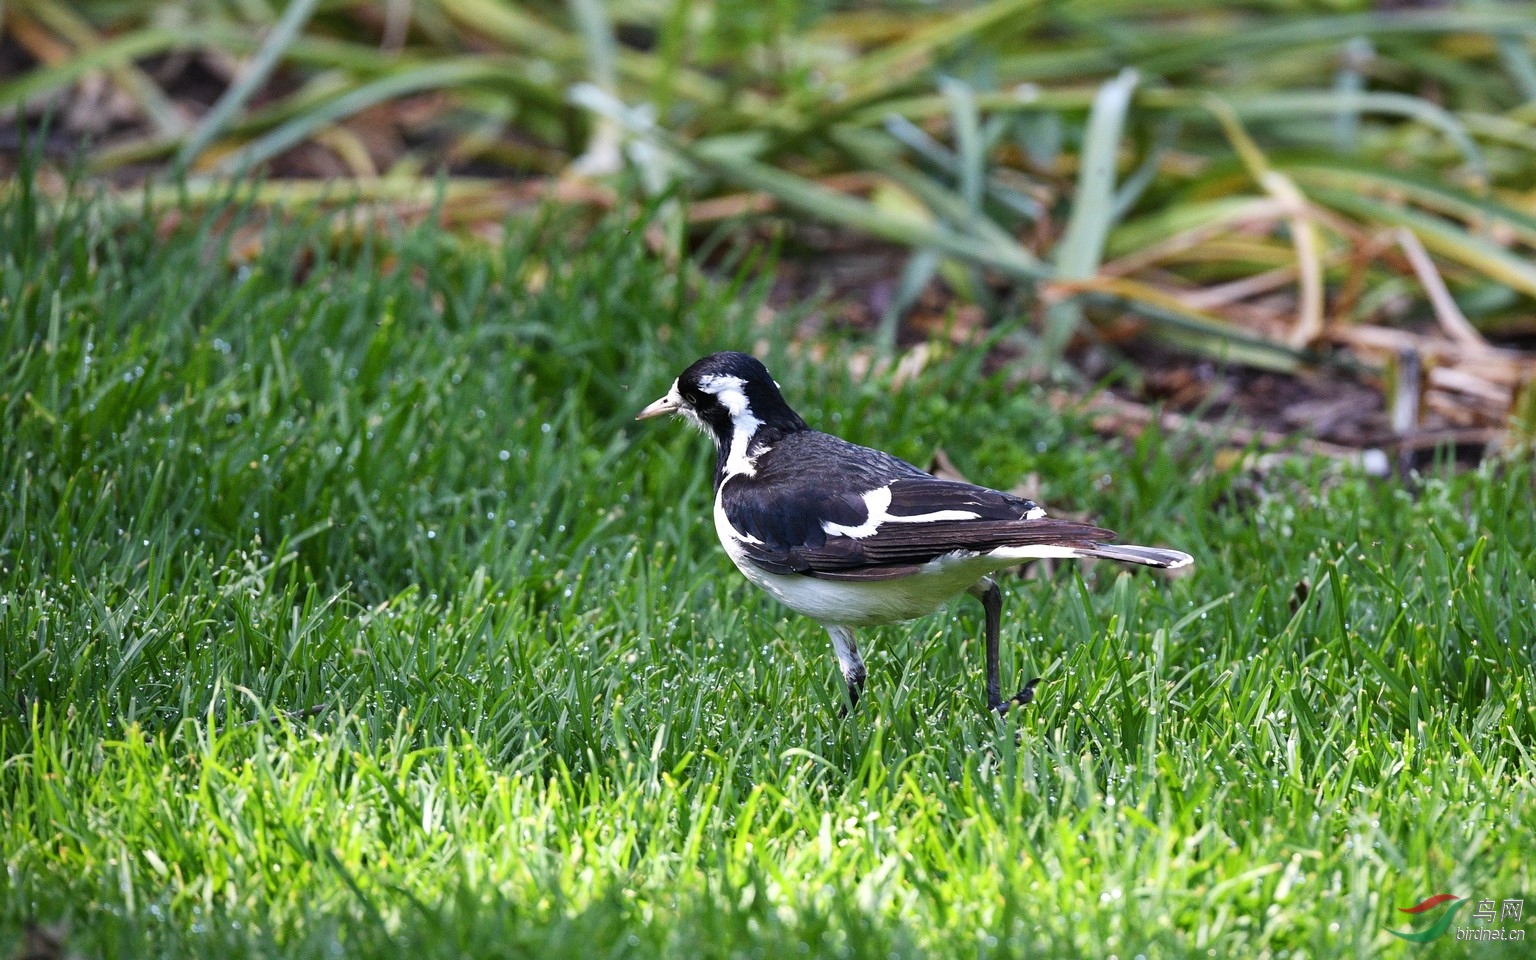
(1035, 550)
(878, 503)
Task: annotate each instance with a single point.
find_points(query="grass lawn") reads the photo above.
(346, 612)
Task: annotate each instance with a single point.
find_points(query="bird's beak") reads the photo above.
(667, 404)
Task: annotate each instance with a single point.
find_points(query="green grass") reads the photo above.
(345, 611)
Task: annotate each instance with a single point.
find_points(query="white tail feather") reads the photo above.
(1149, 556)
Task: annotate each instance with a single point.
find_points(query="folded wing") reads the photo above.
(887, 520)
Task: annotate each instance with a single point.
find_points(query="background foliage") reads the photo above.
(1254, 180)
(344, 609)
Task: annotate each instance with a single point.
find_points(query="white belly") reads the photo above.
(863, 603)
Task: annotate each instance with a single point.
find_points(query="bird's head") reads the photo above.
(728, 395)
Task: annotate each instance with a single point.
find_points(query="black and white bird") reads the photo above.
(853, 537)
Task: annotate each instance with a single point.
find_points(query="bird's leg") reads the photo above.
(991, 599)
(853, 665)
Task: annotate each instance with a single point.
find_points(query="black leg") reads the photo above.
(992, 605)
(851, 663)
(854, 688)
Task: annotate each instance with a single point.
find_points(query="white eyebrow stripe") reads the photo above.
(728, 390)
(878, 503)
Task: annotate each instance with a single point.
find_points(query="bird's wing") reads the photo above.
(857, 514)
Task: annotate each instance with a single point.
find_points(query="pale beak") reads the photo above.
(667, 404)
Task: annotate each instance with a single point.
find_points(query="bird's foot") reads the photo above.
(1022, 698)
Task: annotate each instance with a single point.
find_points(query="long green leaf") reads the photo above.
(604, 147)
(1435, 195)
(68, 23)
(508, 24)
(965, 120)
(955, 210)
(250, 79)
(825, 204)
(1309, 308)
(115, 52)
(463, 72)
(1082, 245)
(1350, 80)
(1335, 101)
(1093, 206)
(917, 140)
(871, 77)
(1200, 331)
(1183, 51)
(1443, 237)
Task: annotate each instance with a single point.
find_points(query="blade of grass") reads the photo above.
(1024, 99)
(670, 42)
(1505, 129)
(1517, 61)
(251, 78)
(1452, 320)
(920, 142)
(1249, 107)
(920, 269)
(829, 205)
(1082, 244)
(152, 41)
(1039, 135)
(505, 23)
(817, 200)
(329, 83)
(508, 23)
(1516, 58)
(1134, 185)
